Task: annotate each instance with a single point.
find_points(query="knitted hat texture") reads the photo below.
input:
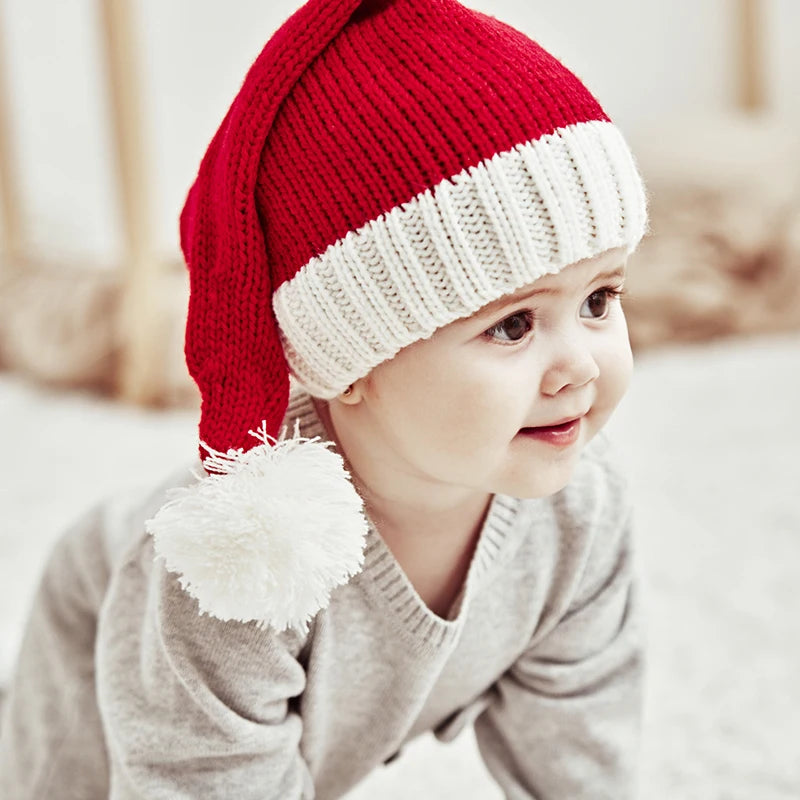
(387, 167)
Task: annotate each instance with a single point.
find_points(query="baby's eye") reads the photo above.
(596, 305)
(512, 329)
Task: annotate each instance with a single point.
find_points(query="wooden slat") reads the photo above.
(140, 315)
(750, 54)
(10, 198)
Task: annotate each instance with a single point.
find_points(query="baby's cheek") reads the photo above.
(458, 416)
(616, 370)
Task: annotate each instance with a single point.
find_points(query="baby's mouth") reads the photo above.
(560, 435)
(560, 427)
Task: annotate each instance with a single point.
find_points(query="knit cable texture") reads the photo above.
(387, 167)
(448, 252)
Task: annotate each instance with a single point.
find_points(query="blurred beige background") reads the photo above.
(106, 109)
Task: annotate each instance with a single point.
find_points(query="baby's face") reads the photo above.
(479, 404)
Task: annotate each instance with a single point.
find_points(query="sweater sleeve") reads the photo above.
(192, 706)
(564, 720)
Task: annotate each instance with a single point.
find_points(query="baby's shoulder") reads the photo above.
(142, 587)
(86, 555)
(114, 524)
(122, 515)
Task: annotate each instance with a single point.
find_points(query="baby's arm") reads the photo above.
(191, 706)
(564, 720)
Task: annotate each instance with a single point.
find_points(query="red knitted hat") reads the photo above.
(387, 167)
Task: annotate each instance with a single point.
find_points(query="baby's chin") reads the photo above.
(543, 482)
(542, 476)
(538, 492)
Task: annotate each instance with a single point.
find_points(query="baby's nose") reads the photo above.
(572, 365)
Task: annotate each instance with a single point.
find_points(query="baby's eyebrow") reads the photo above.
(619, 272)
(492, 308)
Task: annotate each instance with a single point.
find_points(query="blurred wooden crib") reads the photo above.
(119, 330)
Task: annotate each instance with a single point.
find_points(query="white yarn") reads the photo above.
(267, 535)
(450, 250)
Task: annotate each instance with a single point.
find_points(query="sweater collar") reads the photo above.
(385, 580)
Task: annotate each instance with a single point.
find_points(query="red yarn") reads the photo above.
(232, 347)
(338, 121)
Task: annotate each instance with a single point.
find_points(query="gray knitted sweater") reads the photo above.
(124, 691)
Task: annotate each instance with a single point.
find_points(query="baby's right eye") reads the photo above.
(512, 329)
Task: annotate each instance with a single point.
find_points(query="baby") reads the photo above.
(424, 219)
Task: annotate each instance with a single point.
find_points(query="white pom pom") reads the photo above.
(267, 535)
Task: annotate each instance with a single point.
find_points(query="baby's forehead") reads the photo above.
(574, 278)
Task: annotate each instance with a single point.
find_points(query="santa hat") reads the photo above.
(387, 167)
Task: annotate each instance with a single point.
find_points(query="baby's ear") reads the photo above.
(353, 394)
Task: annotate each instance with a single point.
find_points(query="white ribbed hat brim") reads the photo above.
(449, 251)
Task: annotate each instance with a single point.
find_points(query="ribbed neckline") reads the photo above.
(384, 579)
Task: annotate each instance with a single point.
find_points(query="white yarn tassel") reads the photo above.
(267, 535)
